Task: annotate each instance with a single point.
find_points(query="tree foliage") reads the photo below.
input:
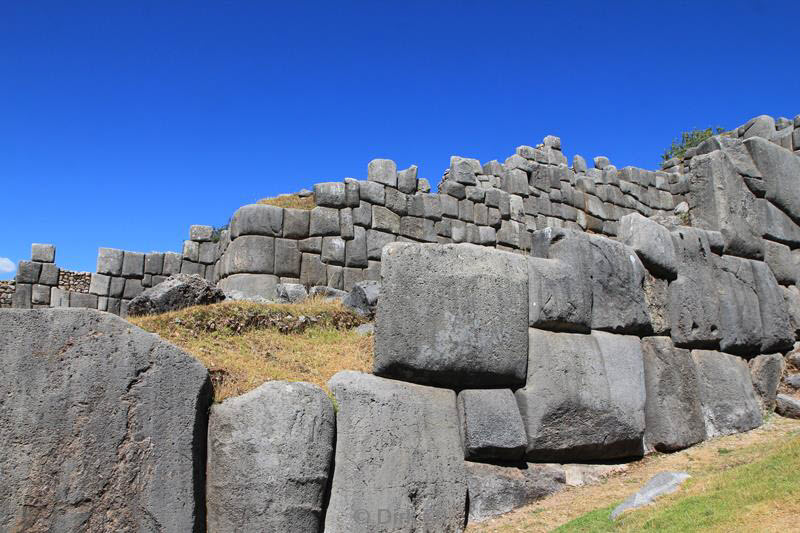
(689, 139)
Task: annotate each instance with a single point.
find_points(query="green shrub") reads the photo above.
(689, 139)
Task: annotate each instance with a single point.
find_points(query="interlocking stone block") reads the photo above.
(44, 253)
(257, 219)
(201, 233)
(491, 426)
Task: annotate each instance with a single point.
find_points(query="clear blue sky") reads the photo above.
(122, 123)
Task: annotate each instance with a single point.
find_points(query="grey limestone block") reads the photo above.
(335, 277)
(59, 297)
(673, 414)
(109, 261)
(466, 210)
(333, 250)
(475, 194)
(311, 245)
(481, 213)
(784, 265)
(269, 459)
(133, 265)
(651, 242)
(102, 303)
(296, 223)
(787, 406)
(487, 236)
(257, 219)
(352, 276)
(584, 398)
(172, 264)
(740, 327)
(579, 164)
(346, 223)
(133, 288)
(382, 171)
(761, 126)
(251, 285)
(560, 296)
(40, 294)
(291, 292)
(191, 251)
(312, 270)
(656, 297)
(453, 315)
(116, 287)
(28, 272)
(178, 292)
(376, 240)
(201, 233)
(147, 280)
(21, 298)
(727, 396)
(495, 490)
(144, 413)
(449, 206)
(81, 299)
(250, 254)
(385, 220)
(372, 192)
(777, 225)
(356, 249)
(49, 274)
(373, 271)
(491, 426)
(351, 192)
(780, 169)
(777, 333)
(493, 168)
(791, 296)
(207, 253)
(407, 180)
(396, 201)
(601, 162)
(324, 221)
(100, 285)
(411, 466)
(423, 185)
(287, 258)
(330, 194)
(515, 181)
(464, 170)
(766, 371)
(362, 215)
(452, 188)
(43, 253)
(154, 263)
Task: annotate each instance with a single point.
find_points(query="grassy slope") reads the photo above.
(747, 482)
(245, 344)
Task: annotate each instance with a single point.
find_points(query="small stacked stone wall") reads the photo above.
(69, 280)
(36, 279)
(7, 288)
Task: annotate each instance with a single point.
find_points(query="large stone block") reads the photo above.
(115, 439)
(740, 327)
(324, 221)
(21, 299)
(296, 223)
(727, 396)
(177, 292)
(154, 263)
(28, 272)
(791, 295)
(109, 261)
(356, 249)
(287, 258)
(376, 240)
(397, 456)
(780, 169)
(652, 243)
(172, 263)
(673, 415)
(207, 253)
(330, 194)
(133, 265)
(257, 219)
(383, 171)
(385, 220)
(777, 333)
(560, 296)
(201, 233)
(312, 271)
(333, 250)
(784, 265)
(494, 490)
(584, 397)
(777, 225)
(43, 253)
(766, 371)
(40, 294)
(100, 285)
(250, 254)
(49, 274)
(491, 426)
(269, 459)
(453, 315)
(191, 251)
(251, 285)
(372, 192)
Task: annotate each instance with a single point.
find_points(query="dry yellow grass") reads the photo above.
(703, 462)
(245, 344)
(291, 201)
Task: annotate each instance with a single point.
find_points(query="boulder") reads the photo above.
(399, 465)
(104, 426)
(269, 459)
(494, 490)
(290, 292)
(727, 396)
(673, 415)
(766, 371)
(491, 426)
(651, 242)
(363, 297)
(328, 294)
(251, 286)
(454, 315)
(787, 406)
(560, 296)
(584, 398)
(177, 292)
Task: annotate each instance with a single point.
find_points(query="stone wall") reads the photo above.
(6, 293)
(69, 280)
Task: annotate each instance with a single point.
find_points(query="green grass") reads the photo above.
(745, 497)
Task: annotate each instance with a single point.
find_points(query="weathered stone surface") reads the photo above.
(385, 220)
(269, 459)
(207, 253)
(43, 253)
(766, 371)
(296, 223)
(780, 169)
(397, 455)
(656, 297)
(560, 296)
(312, 270)
(777, 333)
(363, 297)
(791, 295)
(290, 292)
(383, 171)
(172, 263)
(109, 261)
(133, 288)
(659, 485)
(133, 265)
(333, 250)
(579, 475)
(783, 264)
(673, 415)
(407, 180)
(330, 194)
(115, 439)
(787, 406)
(727, 396)
(651, 242)
(740, 327)
(324, 221)
(200, 233)
(584, 398)
(453, 315)
(49, 274)
(287, 258)
(494, 490)
(191, 250)
(356, 249)
(177, 292)
(777, 225)
(491, 426)
(250, 254)
(257, 219)
(28, 272)
(154, 263)
(376, 240)
(251, 285)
